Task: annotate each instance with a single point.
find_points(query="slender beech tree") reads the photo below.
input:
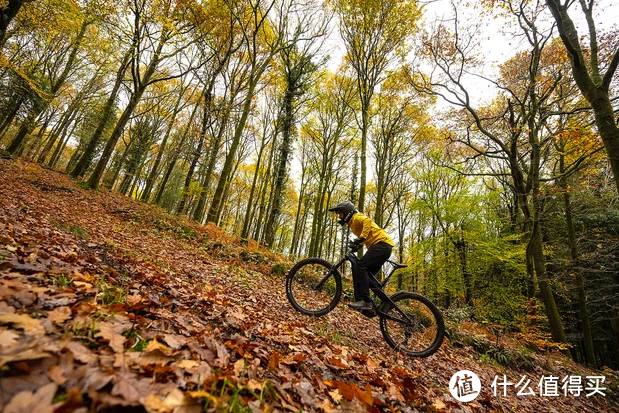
(150, 45)
(42, 104)
(299, 73)
(374, 31)
(264, 25)
(266, 134)
(86, 158)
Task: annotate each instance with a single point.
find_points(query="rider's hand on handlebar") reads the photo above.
(354, 244)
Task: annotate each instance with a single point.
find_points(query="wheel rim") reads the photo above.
(415, 337)
(302, 288)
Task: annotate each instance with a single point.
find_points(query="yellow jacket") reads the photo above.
(363, 227)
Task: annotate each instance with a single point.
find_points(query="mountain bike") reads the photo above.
(409, 322)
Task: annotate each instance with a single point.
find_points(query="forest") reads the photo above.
(258, 115)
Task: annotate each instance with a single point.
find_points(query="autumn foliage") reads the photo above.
(107, 304)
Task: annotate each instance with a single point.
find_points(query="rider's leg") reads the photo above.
(373, 259)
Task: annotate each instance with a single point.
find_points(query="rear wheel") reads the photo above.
(420, 333)
(313, 287)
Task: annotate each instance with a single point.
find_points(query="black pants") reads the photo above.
(371, 262)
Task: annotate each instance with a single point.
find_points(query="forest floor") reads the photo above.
(107, 304)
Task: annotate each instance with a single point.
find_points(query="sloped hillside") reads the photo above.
(110, 305)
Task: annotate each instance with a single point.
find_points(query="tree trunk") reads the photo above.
(582, 297)
(150, 181)
(175, 155)
(29, 124)
(593, 87)
(264, 187)
(364, 144)
(86, 158)
(118, 167)
(250, 201)
(60, 132)
(460, 245)
(9, 119)
(282, 166)
(216, 203)
(141, 86)
(39, 141)
(7, 13)
(297, 220)
(63, 143)
(197, 153)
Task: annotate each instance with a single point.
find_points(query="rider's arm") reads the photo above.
(367, 225)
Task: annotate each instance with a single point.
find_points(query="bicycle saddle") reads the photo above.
(397, 264)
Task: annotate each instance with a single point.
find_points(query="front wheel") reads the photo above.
(313, 286)
(414, 325)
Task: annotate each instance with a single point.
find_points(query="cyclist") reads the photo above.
(379, 246)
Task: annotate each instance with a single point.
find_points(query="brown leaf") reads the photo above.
(175, 341)
(306, 391)
(6, 309)
(7, 340)
(59, 315)
(134, 299)
(175, 402)
(326, 406)
(26, 355)
(116, 340)
(23, 322)
(39, 402)
(97, 379)
(365, 396)
(56, 373)
(274, 360)
(81, 353)
(239, 366)
(438, 405)
(155, 346)
(131, 389)
(335, 395)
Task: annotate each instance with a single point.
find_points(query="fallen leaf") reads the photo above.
(59, 315)
(7, 339)
(175, 341)
(326, 406)
(306, 391)
(187, 364)
(82, 284)
(274, 360)
(175, 401)
(25, 355)
(28, 402)
(81, 353)
(154, 346)
(134, 299)
(335, 395)
(239, 366)
(23, 322)
(131, 389)
(6, 309)
(116, 340)
(438, 404)
(56, 373)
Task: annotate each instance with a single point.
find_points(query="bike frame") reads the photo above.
(375, 285)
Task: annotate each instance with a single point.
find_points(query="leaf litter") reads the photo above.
(104, 307)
